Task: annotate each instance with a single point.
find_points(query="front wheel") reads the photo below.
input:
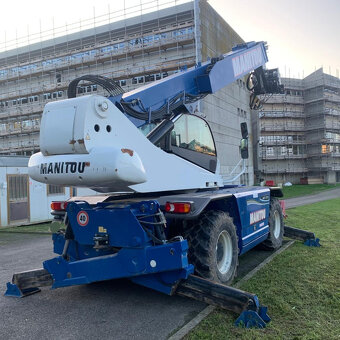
(276, 226)
(213, 246)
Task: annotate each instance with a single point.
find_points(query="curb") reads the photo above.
(182, 332)
(26, 232)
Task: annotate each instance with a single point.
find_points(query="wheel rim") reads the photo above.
(224, 252)
(277, 224)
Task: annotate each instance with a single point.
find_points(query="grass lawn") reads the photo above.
(301, 286)
(34, 228)
(302, 190)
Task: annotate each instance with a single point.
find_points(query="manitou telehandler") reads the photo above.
(167, 213)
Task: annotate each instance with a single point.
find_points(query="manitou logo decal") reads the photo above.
(247, 61)
(257, 216)
(62, 167)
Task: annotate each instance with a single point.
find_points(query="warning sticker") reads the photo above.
(83, 218)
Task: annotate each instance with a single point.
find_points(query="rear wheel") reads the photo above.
(213, 246)
(276, 226)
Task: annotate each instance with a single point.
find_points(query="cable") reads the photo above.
(108, 84)
(165, 110)
(143, 114)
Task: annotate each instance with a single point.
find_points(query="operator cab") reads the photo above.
(189, 137)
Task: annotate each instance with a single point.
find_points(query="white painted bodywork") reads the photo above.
(116, 161)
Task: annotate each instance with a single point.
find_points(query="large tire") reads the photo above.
(213, 246)
(276, 226)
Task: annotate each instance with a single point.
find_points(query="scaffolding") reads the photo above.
(134, 45)
(299, 131)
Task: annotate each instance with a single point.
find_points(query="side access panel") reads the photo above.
(248, 206)
(253, 207)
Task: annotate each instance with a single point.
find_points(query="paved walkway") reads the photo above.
(114, 309)
(321, 196)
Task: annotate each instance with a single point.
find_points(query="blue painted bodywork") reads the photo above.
(312, 242)
(128, 253)
(204, 78)
(257, 318)
(14, 291)
(248, 202)
(240, 202)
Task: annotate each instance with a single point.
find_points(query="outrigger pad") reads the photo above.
(252, 319)
(14, 291)
(312, 242)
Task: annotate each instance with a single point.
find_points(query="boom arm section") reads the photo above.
(160, 98)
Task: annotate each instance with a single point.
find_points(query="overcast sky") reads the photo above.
(302, 35)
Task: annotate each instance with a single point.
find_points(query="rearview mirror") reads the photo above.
(244, 148)
(244, 130)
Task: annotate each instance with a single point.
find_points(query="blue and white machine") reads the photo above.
(167, 214)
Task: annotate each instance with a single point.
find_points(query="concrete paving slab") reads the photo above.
(117, 308)
(114, 309)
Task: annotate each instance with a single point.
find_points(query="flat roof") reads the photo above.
(99, 29)
(12, 161)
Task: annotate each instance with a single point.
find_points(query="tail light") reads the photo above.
(283, 206)
(59, 205)
(178, 207)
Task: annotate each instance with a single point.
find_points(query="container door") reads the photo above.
(17, 193)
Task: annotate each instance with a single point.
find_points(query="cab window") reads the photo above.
(191, 139)
(193, 133)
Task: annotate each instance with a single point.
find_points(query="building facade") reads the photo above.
(298, 132)
(23, 200)
(134, 52)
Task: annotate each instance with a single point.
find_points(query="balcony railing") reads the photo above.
(280, 157)
(281, 114)
(285, 127)
(280, 170)
(121, 48)
(279, 99)
(282, 143)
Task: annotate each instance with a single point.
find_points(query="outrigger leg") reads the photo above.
(28, 283)
(307, 237)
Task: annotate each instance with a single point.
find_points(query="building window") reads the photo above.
(270, 151)
(55, 190)
(17, 187)
(325, 148)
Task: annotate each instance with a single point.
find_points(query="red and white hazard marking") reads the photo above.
(83, 218)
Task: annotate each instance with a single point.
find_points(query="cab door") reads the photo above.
(192, 139)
